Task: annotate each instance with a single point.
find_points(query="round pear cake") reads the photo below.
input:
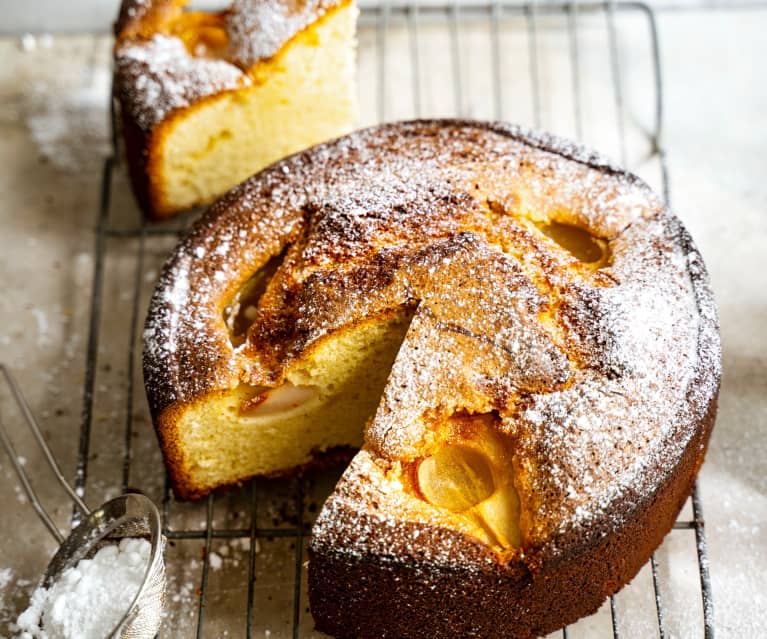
(517, 337)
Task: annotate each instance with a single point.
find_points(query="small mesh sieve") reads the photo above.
(129, 515)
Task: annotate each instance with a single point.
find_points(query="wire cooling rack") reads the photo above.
(236, 561)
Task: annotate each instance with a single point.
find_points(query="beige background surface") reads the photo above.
(54, 136)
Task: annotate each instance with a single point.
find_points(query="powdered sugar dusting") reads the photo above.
(258, 29)
(157, 76)
(89, 599)
(601, 377)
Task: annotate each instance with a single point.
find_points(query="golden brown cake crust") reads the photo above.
(605, 379)
(158, 77)
(144, 18)
(156, 82)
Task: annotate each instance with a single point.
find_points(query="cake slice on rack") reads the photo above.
(207, 99)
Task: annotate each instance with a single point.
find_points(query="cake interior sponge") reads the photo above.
(304, 95)
(327, 398)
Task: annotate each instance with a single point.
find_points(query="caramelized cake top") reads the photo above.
(547, 288)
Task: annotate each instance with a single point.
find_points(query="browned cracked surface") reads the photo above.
(603, 375)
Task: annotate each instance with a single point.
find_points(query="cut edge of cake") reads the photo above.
(229, 436)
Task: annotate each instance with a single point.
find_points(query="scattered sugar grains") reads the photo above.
(6, 576)
(89, 599)
(215, 561)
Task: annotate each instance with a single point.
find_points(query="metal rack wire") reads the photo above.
(501, 21)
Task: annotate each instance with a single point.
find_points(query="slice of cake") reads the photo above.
(207, 99)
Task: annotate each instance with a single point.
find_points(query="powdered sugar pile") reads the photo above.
(6, 575)
(88, 600)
